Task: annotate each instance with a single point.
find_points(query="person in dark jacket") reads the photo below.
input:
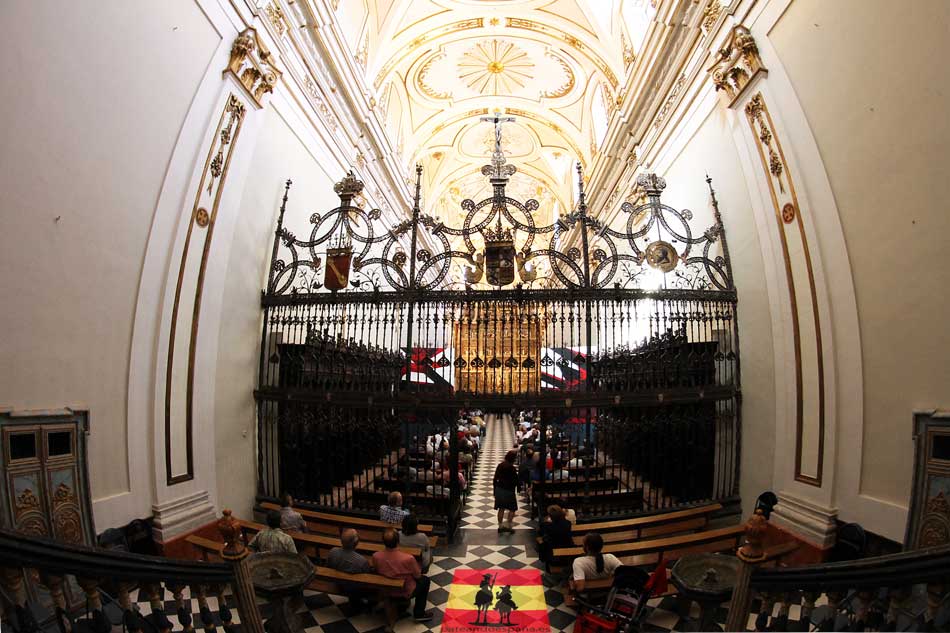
(555, 532)
(506, 483)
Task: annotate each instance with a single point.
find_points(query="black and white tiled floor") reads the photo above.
(479, 546)
(479, 512)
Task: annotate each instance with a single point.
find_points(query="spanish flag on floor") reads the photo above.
(483, 600)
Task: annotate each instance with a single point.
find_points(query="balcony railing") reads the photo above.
(38, 574)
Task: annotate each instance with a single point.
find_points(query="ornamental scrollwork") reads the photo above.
(501, 245)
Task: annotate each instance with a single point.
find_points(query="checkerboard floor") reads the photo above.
(480, 547)
(479, 512)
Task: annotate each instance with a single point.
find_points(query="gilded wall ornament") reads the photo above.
(788, 213)
(737, 63)
(202, 218)
(276, 17)
(710, 14)
(753, 111)
(251, 65)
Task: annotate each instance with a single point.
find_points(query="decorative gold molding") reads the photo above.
(737, 63)
(462, 25)
(209, 192)
(325, 112)
(276, 17)
(788, 217)
(530, 25)
(251, 65)
(568, 84)
(422, 77)
(668, 105)
(710, 14)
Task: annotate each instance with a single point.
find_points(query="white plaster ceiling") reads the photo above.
(438, 66)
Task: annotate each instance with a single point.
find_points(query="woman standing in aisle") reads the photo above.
(505, 483)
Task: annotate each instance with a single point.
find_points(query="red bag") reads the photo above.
(590, 623)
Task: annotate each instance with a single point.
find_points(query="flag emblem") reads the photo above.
(505, 599)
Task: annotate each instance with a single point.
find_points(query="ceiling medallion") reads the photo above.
(495, 67)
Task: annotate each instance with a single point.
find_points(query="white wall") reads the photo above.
(711, 150)
(871, 77)
(94, 98)
(280, 154)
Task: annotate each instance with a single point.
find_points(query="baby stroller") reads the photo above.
(624, 608)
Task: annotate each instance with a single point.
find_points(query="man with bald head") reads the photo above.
(348, 560)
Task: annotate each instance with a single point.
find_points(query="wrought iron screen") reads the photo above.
(622, 341)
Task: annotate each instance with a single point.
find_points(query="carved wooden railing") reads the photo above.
(105, 576)
(898, 592)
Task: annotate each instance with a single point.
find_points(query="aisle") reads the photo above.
(479, 512)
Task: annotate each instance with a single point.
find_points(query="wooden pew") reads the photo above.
(326, 580)
(597, 504)
(332, 524)
(559, 486)
(325, 517)
(321, 544)
(647, 552)
(665, 523)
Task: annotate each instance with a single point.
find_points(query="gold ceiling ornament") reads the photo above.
(569, 81)
(537, 27)
(422, 79)
(495, 67)
(461, 25)
(251, 65)
(710, 14)
(737, 64)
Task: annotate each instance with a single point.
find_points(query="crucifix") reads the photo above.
(497, 158)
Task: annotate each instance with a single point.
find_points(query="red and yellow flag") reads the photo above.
(516, 602)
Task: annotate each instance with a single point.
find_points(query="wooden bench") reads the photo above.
(662, 524)
(560, 486)
(331, 523)
(318, 545)
(597, 504)
(326, 580)
(647, 552)
(432, 509)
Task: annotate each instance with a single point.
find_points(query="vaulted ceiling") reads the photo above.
(438, 66)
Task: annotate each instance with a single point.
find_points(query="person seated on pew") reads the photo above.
(593, 565)
(524, 468)
(412, 537)
(290, 519)
(272, 538)
(553, 469)
(475, 439)
(349, 561)
(402, 469)
(575, 461)
(393, 563)
(555, 532)
(465, 451)
(392, 511)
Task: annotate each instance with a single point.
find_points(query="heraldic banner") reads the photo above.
(502, 599)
